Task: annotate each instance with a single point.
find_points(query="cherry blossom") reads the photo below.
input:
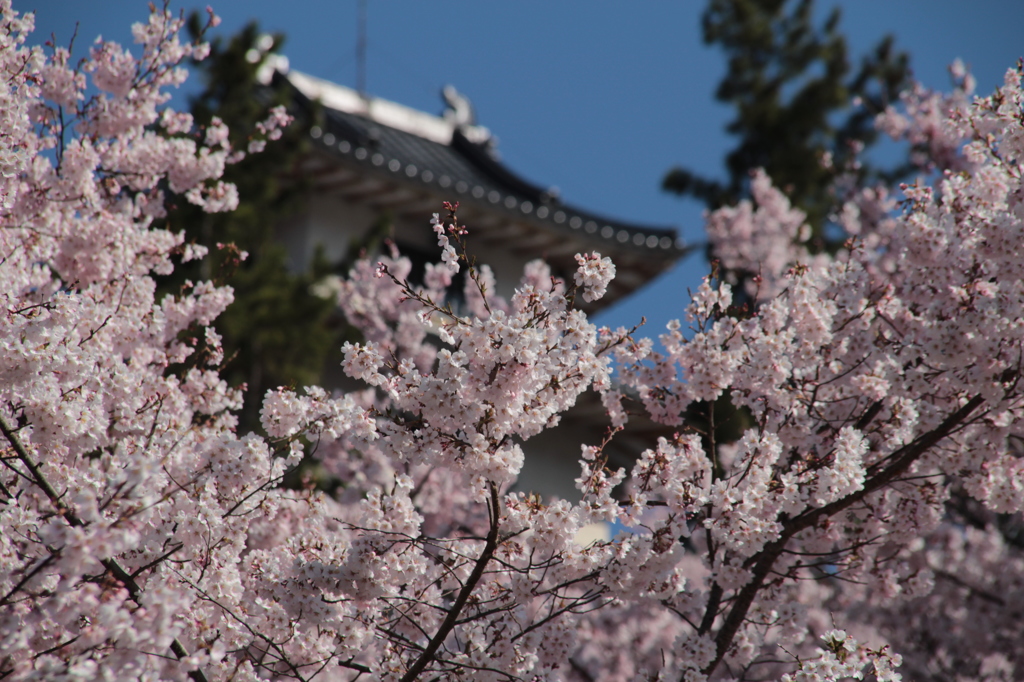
(865, 520)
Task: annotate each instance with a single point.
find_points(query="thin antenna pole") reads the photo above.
(361, 50)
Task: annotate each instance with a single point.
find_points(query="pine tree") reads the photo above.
(798, 102)
(276, 332)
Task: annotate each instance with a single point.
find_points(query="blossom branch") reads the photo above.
(763, 561)
(69, 515)
(490, 544)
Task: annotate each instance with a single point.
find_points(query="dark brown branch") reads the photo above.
(5, 492)
(572, 607)
(490, 544)
(868, 416)
(142, 569)
(581, 671)
(714, 601)
(58, 647)
(981, 594)
(28, 576)
(763, 561)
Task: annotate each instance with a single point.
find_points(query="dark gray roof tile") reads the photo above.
(472, 171)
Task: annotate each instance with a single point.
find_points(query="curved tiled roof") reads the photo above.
(414, 148)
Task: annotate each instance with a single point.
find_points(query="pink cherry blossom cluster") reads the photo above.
(593, 275)
(763, 242)
(882, 389)
(937, 124)
(870, 505)
(448, 255)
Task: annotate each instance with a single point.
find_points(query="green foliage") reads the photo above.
(793, 90)
(798, 102)
(276, 332)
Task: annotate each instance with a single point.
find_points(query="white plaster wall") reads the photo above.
(328, 221)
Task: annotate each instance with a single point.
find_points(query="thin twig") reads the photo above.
(490, 544)
(75, 522)
(763, 561)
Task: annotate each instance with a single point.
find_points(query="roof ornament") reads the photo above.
(459, 114)
(269, 62)
(458, 108)
(551, 196)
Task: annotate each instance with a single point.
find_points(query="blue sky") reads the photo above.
(598, 98)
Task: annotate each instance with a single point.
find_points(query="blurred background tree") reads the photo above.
(798, 102)
(276, 333)
(802, 114)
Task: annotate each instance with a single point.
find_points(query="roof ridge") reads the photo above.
(399, 116)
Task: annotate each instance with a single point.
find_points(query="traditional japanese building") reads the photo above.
(372, 158)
